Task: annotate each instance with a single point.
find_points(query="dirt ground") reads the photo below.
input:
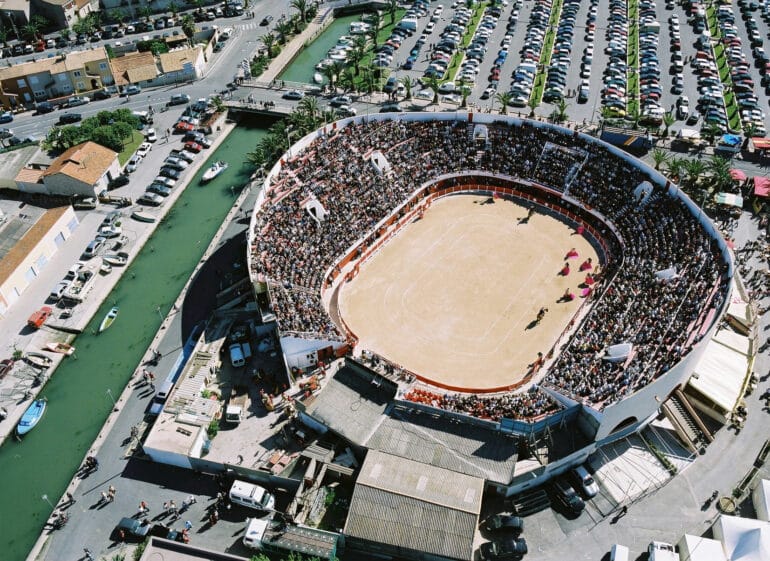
(453, 297)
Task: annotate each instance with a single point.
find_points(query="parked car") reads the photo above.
(169, 172)
(132, 90)
(150, 135)
(503, 550)
(118, 181)
(293, 94)
(93, 248)
(6, 117)
(44, 107)
(504, 523)
(179, 99)
(159, 189)
(77, 101)
(564, 495)
(584, 482)
(130, 529)
(150, 199)
(70, 118)
(193, 147)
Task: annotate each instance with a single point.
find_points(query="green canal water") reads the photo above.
(77, 394)
(302, 67)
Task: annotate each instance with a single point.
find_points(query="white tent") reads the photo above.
(720, 374)
(743, 539)
(696, 548)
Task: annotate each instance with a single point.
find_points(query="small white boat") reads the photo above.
(324, 64)
(109, 319)
(62, 348)
(318, 78)
(214, 170)
(140, 216)
(38, 359)
(118, 259)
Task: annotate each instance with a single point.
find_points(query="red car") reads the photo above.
(183, 126)
(193, 147)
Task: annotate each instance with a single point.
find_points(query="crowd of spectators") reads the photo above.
(293, 247)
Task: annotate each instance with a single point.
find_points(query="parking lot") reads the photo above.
(632, 60)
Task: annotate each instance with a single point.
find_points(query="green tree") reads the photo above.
(374, 32)
(107, 136)
(719, 169)
(694, 170)
(308, 106)
(668, 120)
(268, 40)
(3, 36)
(532, 104)
(301, 7)
(675, 169)
(30, 31)
(173, 8)
(119, 15)
(465, 91)
(330, 73)
(283, 28)
(41, 21)
(710, 131)
(144, 12)
(749, 131)
(347, 80)
(188, 27)
(433, 84)
(504, 99)
(392, 10)
(561, 110)
(660, 157)
(409, 83)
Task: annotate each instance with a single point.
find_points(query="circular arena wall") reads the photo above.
(642, 402)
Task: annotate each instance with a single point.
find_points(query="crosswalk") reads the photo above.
(250, 25)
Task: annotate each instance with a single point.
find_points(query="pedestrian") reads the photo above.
(105, 498)
(188, 525)
(70, 499)
(165, 508)
(152, 380)
(89, 554)
(623, 510)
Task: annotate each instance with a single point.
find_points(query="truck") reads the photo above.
(37, 319)
(661, 551)
(280, 537)
(236, 407)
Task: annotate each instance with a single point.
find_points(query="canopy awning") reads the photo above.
(761, 186)
(737, 174)
(761, 143)
(729, 199)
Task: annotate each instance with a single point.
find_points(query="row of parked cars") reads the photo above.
(524, 74)
(561, 55)
(477, 50)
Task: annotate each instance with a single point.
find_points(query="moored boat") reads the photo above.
(118, 259)
(109, 319)
(39, 360)
(140, 216)
(318, 78)
(62, 348)
(31, 417)
(217, 168)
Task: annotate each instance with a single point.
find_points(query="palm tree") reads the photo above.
(561, 110)
(375, 29)
(504, 99)
(408, 84)
(330, 73)
(119, 15)
(532, 104)
(268, 40)
(30, 31)
(173, 8)
(309, 106)
(434, 84)
(145, 12)
(674, 169)
(719, 167)
(668, 120)
(354, 57)
(693, 169)
(749, 131)
(284, 30)
(392, 9)
(660, 157)
(301, 7)
(710, 131)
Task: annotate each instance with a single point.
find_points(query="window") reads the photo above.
(80, 86)
(40, 94)
(77, 73)
(21, 83)
(102, 66)
(33, 81)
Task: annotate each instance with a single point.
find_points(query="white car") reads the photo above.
(110, 231)
(150, 135)
(143, 149)
(426, 94)
(133, 163)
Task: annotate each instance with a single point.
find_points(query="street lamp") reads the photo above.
(45, 498)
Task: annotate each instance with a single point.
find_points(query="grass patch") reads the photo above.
(632, 59)
(454, 64)
(382, 36)
(546, 52)
(731, 104)
(130, 147)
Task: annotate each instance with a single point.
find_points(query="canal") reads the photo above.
(302, 67)
(81, 390)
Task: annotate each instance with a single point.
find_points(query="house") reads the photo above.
(77, 72)
(182, 65)
(63, 13)
(85, 169)
(32, 236)
(139, 69)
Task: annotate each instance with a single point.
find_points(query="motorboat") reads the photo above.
(217, 168)
(63, 348)
(140, 216)
(38, 360)
(118, 259)
(324, 64)
(31, 417)
(109, 319)
(318, 78)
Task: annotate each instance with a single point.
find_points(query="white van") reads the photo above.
(251, 496)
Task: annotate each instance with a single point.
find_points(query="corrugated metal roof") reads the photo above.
(442, 442)
(406, 523)
(351, 404)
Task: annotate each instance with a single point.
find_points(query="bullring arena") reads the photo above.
(455, 295)
(372, 238)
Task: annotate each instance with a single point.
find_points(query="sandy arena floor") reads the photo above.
(454, 296)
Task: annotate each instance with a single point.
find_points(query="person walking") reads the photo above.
(70, 499)
(105, 498)
(89, 554)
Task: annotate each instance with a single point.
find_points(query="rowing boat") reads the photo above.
(109, 319)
